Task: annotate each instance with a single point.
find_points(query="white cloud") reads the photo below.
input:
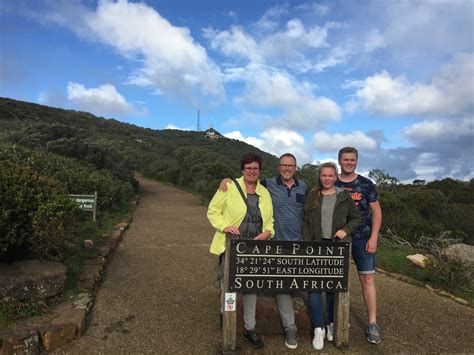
(168, 58)
(326, 142)
(315, 8)
(389, 96)
(437, 27)
(104, 100)
(235, 42)
(270, 20)
(374, 40)
(441, 130)
(295, 45)
(291, 44)
(172, 126)
(428, 162)
(300, 108)
(234, 74)
(337, 55)
(173, 62)
(280, 141)
(449, 93)
(256, 142)
(277, 141)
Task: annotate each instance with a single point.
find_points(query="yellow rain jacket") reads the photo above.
(229, 209)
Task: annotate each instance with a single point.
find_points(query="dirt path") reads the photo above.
(159, 295)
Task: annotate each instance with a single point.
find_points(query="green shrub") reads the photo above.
(76, 177)
(53, 234)
(31, 206)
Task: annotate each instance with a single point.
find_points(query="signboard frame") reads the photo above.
(80, 200)
(288, 266)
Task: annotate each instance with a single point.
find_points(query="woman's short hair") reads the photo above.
(250, 158)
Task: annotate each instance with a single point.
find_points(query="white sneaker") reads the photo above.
(318, 341)
(330, 332)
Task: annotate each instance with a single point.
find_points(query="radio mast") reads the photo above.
(198, 126)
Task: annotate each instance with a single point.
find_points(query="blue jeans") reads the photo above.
(316, 308)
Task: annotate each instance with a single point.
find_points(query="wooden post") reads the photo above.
(341, 315)
(95, 206)
(229, 317)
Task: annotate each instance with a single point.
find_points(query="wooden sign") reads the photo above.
(288, 266)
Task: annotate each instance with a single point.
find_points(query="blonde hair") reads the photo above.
(318, 186)
(327, 165)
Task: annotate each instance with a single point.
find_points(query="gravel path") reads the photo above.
(159, 295)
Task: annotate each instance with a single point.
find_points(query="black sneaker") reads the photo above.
(251, 337)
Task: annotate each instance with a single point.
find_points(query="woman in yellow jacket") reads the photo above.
(251, 218)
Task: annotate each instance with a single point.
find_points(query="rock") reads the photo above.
(100, 260)
(121, 226)
(83, 301)
(76, 317)
(104, 250)
(54, 336)
(461, 300)
(88, 244)
(24, 342)
(90, 274)
(418, 260)
(61, 308)
(462, 252)
(31, 279)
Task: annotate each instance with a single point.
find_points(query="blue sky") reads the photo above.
(393, 78)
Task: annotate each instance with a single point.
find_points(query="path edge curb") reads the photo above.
(70, 319)
(426, 286)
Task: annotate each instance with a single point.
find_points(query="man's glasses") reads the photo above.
(287, 166)
(249, 168)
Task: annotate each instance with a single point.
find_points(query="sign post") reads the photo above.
(229, 317)
(341, 318)
(288, 266)
(86, 203)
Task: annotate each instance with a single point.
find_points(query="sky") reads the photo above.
(393, 78)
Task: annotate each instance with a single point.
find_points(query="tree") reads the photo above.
(308, 173)
(383, 179)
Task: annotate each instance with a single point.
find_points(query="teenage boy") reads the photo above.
(288, 195)
(364, 239)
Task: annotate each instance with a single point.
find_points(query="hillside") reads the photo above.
(47, 153)
(184, 158)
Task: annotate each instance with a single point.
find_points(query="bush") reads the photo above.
(31, 207)
(52, 224)
(75, 177)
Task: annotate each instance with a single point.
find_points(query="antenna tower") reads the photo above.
(198, 127)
